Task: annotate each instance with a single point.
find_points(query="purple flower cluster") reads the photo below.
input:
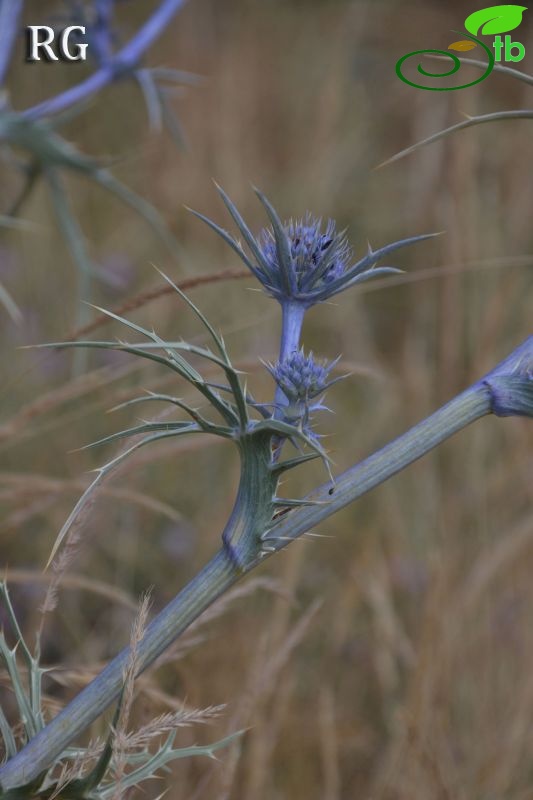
(319, 255)
(302, 378)
(302, 263)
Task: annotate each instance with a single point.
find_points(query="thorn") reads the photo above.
(284, 502)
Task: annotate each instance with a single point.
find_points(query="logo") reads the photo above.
(487, 22)
(40, 40)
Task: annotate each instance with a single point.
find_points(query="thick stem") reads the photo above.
(253, 509)
(214, 579)
(251, 515)
(292, 317)
(470, 405)
(221, 573)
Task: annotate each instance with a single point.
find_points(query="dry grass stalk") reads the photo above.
(120, 734)
(142, 299)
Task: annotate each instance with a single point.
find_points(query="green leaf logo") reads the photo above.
(496, 19)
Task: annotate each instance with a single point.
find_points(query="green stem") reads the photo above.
(467, 407)
(214, 579)
(222, 571)
(253, 509)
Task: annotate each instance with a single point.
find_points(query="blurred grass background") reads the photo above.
(412, 678)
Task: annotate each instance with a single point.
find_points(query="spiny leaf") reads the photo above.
(263, 408)
(190, 374)
(282, 466)
(101, 474)
(151, 97)
(282, 246)
(178, 427)
(495, 19)
(224, 363)
(163, 756)
(27, 692)
(32, 664)
(171, 347)
(175, 362)
(227, 238)
(277, 426)
(365, 268)
(205, 424)
(167, 398)
(246, 233)
(203, 319)
(10, 745)
(186, 347)
(371, 274)
(51, 150)
(157, 341)
(129, 324)
(373, 256)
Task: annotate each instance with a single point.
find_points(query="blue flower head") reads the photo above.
(303, 262)
(319, 255)
(302, 379)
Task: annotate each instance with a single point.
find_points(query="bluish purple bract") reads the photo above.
(302, 262)
(319, 254)
(302, 378)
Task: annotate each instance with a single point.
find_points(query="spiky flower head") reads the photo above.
(319, 255)
(303, 262)
(302, 378)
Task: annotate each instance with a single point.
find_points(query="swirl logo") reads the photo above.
(486, 21)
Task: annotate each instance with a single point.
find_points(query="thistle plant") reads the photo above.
(299, 264)
(101, 770)
(302, 379)
(31, 142)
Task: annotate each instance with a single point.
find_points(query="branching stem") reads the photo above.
(221, 572)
